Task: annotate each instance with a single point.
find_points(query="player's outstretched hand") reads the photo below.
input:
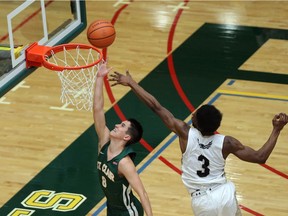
(120, 79)
(279, 121)
(103, 70)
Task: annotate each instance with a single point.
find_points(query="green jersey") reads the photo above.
(120, 199)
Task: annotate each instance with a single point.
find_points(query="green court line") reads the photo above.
(203, 62)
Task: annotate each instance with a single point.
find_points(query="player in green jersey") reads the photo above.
(117, 172)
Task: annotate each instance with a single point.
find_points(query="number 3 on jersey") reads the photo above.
(205, 163)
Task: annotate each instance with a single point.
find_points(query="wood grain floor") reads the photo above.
(33, 134)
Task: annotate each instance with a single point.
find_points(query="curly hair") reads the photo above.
(208, 119)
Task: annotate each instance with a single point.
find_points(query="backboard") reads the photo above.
(47, 22)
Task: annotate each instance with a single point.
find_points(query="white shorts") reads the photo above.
(216, 201)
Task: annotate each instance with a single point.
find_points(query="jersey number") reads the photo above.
(104, 182)
(205, 163)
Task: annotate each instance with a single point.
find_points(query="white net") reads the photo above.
(77, 85)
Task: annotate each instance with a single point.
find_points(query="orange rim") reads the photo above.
(36, 55)
(60, 48)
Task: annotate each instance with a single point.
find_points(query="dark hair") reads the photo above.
(208, 119)
(135, 131)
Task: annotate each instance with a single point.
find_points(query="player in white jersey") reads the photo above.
(204, 152)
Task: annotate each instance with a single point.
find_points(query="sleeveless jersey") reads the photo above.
(202, 162)
(120, 199)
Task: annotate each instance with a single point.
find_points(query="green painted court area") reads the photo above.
(202, 63)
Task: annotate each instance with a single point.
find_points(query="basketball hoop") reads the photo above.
(77, 66)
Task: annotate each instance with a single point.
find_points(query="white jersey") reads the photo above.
(202, 162)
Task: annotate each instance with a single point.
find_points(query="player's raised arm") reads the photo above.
(98, 106)
(176, 125)
(167, 117)
(246, 153)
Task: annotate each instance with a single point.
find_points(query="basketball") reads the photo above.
(101, 33)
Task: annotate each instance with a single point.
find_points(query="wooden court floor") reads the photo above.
(33, 134)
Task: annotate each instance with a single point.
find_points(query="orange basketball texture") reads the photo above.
(101, 33)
